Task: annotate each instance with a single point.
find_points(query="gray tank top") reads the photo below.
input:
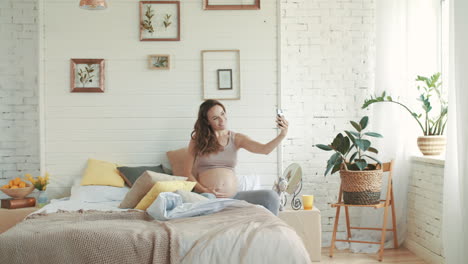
(227, 158)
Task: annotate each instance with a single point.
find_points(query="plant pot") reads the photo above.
(361, 187)
(431, 145)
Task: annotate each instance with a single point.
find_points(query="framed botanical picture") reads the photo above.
(87, 75)
(159, 20)
(231, 4)
(221, 74)
(224, 79)
(159, 62)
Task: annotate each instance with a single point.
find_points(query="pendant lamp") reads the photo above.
(93, 4)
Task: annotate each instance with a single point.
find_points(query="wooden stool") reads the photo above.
(388, 202)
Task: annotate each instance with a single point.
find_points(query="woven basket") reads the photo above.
(431, 145)
(361, 187)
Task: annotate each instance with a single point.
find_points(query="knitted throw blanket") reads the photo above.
(89, 237)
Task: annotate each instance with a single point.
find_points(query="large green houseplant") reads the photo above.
(361, 181)
(432, 142)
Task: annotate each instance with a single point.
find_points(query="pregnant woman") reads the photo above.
(213, 156)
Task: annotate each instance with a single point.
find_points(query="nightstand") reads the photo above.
(10, 217)
(307, 224)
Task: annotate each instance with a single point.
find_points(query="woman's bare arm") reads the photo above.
(188, 169)
(243, 141)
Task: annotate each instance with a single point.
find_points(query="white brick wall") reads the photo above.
(425, 199)
(19, 138)
(327, 70)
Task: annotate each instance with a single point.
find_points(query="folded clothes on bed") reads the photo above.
(170, 205)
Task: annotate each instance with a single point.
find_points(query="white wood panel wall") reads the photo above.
(144, 113)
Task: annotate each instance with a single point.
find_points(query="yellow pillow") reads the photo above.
(100, 172)
(163, 186)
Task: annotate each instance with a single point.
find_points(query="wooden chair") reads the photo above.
(388, 202)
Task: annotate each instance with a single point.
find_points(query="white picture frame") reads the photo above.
(221, 78)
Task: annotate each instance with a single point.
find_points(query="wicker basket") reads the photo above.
(431, 145)
(361, 187)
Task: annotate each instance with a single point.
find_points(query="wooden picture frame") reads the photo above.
(214, 62)
(217, 5)
(159, 61)
(159, 21)
(87, 75)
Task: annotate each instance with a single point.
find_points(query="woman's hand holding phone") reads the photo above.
(281, 122)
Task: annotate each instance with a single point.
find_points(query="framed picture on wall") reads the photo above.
(221, 74)
(231, 4)
(224, 79)
(159, 20)
(87, 75)
(159, 62)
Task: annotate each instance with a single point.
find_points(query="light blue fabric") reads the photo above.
(169, 206)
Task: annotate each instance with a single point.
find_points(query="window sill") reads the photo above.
(436, 160)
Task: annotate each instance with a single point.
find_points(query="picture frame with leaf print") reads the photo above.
(231, 4)
(159, 21)
(87, 75)
(159, 62)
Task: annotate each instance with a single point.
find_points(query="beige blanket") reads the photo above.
(242, 234)
(88, 237)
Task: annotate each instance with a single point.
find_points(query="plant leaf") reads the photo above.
(323, 147)
(331, 162)
(337, 141)
(363, 122)
(350, 135)
(337, 165)
(344, 146)
(356, 126)
(373, 134)
(376, 160)
(361, 164)
(363, 144)
(371, 149)
(352, 157)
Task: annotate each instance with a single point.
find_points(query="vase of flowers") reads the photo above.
(40, 183)
(432, 126)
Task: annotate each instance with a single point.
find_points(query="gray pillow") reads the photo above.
(131, 174)
(190, 197)
(167, 170)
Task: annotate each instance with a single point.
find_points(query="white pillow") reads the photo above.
(248, 182)
(98, 193)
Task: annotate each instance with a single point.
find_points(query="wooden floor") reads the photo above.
(400, 255)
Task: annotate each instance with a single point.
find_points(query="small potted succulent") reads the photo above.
(432, 142)
(361, 181)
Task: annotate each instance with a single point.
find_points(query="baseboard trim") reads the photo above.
(423, 252)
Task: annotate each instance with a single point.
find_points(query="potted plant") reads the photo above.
(432, 142)
(361, 181)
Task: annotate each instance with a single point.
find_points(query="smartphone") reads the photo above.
(279, 112)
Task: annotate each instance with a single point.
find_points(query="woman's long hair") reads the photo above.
(205, 138)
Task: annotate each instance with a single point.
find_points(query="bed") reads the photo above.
(74, 231)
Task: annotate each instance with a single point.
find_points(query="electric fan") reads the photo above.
(290, 183)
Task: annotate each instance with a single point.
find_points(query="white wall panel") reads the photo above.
(144, 113)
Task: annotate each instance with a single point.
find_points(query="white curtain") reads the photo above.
(406, 46)
(455, 225)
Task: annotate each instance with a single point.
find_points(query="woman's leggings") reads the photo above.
(267, 198)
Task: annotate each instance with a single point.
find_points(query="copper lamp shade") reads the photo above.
(93, 4)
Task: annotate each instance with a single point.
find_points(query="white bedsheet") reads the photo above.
(66, 204)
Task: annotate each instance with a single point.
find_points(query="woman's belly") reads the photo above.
(220, 180)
